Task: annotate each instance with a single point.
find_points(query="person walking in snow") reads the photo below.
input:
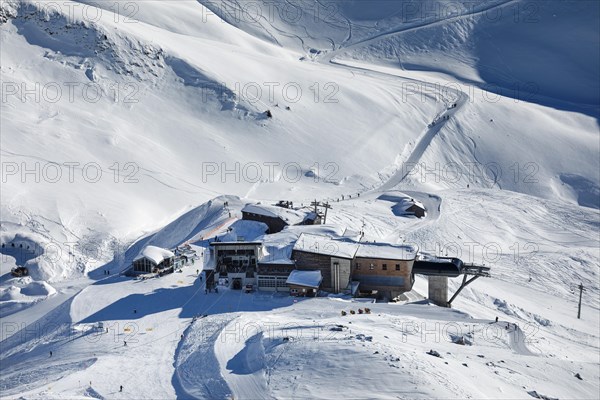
(124, 344)
(496, 319)
(50, 354)
(121, 388)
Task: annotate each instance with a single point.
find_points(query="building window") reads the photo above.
(397, 267)
(384, 267)
(357, 266)
(372, 266)
(267, 281)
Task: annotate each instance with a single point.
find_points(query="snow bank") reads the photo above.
(38, 289)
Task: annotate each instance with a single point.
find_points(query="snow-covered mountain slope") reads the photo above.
(513, 48)
(132, 123)
(117, 119)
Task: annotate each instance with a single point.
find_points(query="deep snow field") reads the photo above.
(130, 123)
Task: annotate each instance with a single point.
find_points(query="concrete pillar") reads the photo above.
(438, 290)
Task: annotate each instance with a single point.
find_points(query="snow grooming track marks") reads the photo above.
(30, 375)
(383, 35)
(22, 355)
(196, 375)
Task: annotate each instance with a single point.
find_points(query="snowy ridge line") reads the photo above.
(212, 231)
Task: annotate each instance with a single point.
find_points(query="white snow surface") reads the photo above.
(143, 123)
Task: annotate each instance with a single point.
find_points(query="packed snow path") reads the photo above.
(453, 100)
(195, 373)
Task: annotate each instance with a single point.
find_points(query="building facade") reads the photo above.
(385, 277)
(235, 262)
(378, 269)
(272, 276)
(153, 259)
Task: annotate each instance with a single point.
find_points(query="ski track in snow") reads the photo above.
(329, 56)
(196, 373)
(424, 140)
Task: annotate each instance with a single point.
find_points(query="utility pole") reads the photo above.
(315, 204)
(327, 207)
(318, 204)
(581, 289)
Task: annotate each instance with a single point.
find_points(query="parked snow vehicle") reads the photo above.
(19, 272)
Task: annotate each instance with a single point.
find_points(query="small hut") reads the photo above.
(304, 283)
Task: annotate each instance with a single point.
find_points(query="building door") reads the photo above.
(340, 274)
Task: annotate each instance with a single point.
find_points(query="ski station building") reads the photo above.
(361, 267)
(342, 266)
(153, 259)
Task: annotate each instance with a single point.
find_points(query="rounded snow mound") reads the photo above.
(21, 289)
(40, 288)
(10, 293)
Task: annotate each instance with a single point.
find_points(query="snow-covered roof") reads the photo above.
(275, 261)
(408, 203)
(155, 254)
(319, 244)
(310, 279)
(344, 248)
(244, 230)
(290, 216)
(386, 251)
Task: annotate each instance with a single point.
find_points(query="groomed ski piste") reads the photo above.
(425, 107)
